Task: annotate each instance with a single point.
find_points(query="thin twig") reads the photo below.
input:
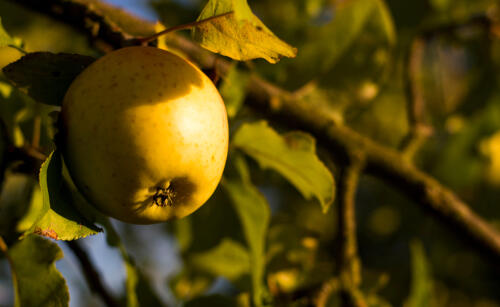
(145, 40)
(327, 289)
(91, 275)
(415, 109)
(348, 260)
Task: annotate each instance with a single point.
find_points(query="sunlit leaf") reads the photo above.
(232, 90)
(254, 214)
(35, 206)
(293, 155)
(58, 218)
(240, 35)
(229, 259)
(46, 76)
(37, 282)
(421, 284)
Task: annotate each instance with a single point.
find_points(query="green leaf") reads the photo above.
(383, 14)
(58, 218)
(33, 211)
(15, 199)
(324, 46)
(293, 155)
(46, 76)
(232, 90)
(229, 259)
(36, 279)
(240, 35)
(254, 214)
(421, 284)
(5, 39)
(183, 231)
(330, 42)
(189, 284)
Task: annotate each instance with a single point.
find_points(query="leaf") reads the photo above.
(58, 218)
(189, 284)
(37, 282)
(254, 214)
(33, 211)
(232, 90)
(328, 43)
(201, 230)
(46, 76)
(292, 155)
(347, 24)
(421, 284)
(17, 191)
(228, 259)
(384, 15)
(240, 35)
(5, 39)
(325, 49)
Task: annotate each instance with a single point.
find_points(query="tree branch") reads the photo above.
(381, 161)
(91, 274)
(415, 104)
(348, 261)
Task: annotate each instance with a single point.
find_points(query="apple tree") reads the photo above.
(361, 142)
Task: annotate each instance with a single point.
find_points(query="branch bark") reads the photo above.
(381, 161)
(348, 260)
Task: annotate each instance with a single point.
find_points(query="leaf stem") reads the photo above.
(21, 50)
(145, 40)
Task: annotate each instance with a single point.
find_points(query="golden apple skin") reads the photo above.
(144, 135)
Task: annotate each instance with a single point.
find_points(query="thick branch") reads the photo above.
(381, 161)
(91, 274)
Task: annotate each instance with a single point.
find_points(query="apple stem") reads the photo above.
(144, 40)
(164, 196)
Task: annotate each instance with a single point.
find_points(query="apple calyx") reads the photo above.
(164, 196)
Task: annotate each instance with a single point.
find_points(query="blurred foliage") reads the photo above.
(36, 279)
(258, 239)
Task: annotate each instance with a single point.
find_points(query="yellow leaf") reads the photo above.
(241, 35)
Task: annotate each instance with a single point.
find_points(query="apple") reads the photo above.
(144, 135)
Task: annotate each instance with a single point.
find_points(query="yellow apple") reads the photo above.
(144, 135)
